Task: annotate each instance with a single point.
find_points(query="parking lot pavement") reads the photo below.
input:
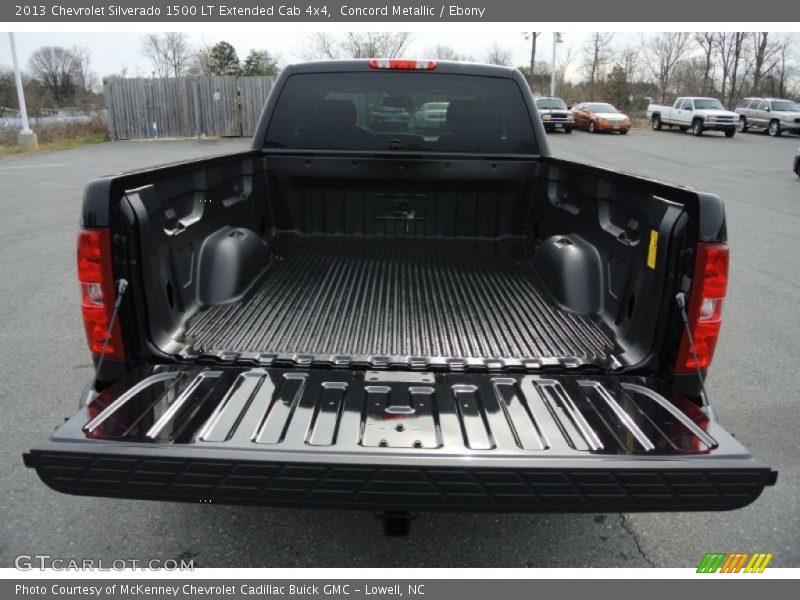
(754, 380)
(45, 366)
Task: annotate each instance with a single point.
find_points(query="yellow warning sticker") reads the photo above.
(653, 249)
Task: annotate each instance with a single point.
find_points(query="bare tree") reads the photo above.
(357, 44)
(58, 70)
(662, 52)
(533, 36)
(152, 48)
(169, 53)
(766, 56)
(443, 52)
(730, 46)
(597, 55)
(706, 41)
(564, 63)
(321, 46)
(631, 61)
(782, 79)
(497, 55)
(200, 62)
(375, 44)
(179, 52)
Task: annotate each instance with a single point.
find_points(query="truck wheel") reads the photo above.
(730, 132)
(568, 130)
(697, 127)
(592, 127)
(623, 132)
(774, 129)
(742, 125)
(655, 123)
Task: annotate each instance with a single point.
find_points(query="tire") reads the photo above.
(623, 132)
(592, 127)
(568, 130)
(742, 125)
(697, 128)
(774, 128)
(655, 123)
(729, 133)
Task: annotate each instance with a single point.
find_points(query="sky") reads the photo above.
(112, 52)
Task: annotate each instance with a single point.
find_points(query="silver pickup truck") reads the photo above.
(697, 114)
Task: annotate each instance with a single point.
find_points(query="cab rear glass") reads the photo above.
(390, 111)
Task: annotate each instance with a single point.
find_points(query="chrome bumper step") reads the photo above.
(389, 440)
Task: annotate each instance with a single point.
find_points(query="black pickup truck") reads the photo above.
(402, 319)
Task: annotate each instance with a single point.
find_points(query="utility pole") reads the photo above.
(27, 139)
(553, 66)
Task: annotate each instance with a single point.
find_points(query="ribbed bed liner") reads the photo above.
(399, 297)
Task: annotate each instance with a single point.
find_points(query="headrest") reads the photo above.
(468, 117)
(337, 114)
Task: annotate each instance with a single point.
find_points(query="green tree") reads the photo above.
(260, 62)
(618, 91)
(223, 60)
(8, 90)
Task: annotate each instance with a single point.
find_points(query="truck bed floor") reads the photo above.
(399, 297)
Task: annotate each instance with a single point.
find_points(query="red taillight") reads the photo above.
(97, 292)
(402, 64)
(704, 310)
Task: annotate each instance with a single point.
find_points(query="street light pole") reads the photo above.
(553, 66)
(27, 139)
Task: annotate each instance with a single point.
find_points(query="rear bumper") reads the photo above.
(398, 441)
(224, 477)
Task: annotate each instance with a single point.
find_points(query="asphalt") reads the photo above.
(753, 384)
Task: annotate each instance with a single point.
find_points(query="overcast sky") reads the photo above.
(111, 52)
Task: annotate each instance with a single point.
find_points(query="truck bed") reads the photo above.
(369, 299)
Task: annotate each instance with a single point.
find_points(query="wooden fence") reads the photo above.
(223, 106)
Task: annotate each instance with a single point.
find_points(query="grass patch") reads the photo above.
(77, 142)
(59, 136)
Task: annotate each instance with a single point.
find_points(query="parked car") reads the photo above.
(555, 114)
(600, 116)
(330, 320)
(772, 115)
(695, 113)
(391, 115)
(432, 116)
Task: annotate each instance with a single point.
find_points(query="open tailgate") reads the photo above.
(398, 441)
